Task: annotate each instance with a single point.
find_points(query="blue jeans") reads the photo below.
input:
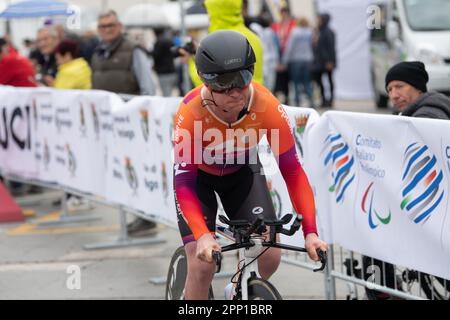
(300, 74)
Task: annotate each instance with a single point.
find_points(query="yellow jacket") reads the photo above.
(75, 74)
(227, 14)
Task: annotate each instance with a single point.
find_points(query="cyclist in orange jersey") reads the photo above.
(217, 130)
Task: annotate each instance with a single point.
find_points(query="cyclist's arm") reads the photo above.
(185, 172)
(300, 191)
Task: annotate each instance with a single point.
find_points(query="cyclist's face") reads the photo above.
(230, 102)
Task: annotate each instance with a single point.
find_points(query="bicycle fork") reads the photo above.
(250, 270)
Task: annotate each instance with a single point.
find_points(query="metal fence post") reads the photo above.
(330, 281)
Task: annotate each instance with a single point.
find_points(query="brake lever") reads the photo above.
(217, 257)
(323, 259)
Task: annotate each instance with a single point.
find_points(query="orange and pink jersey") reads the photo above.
(205, 142)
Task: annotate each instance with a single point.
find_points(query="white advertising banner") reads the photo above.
(44, 131)
(384, 181)
(16, 144)
(381, 182)
(140, 158)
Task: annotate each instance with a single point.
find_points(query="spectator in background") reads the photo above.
(29, 47)
(227, 15)
(406, 84)
(15, 70)
(73, 71)
(283, 30)
(86, 43)
(298, 57)
(324, 58)
(163, 61)
(44, 57)
(89, 42)
(270, 45)
(118, 65)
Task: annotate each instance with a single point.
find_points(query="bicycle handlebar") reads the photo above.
(244, 230)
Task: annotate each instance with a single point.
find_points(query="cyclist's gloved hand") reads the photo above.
(205, 246)
(312, 243)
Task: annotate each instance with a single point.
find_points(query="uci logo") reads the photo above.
(257, 210)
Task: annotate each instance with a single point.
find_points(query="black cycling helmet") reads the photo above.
(225, 60)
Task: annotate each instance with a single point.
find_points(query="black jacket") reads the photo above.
(325, 48)
(162, 56)
(430, 105)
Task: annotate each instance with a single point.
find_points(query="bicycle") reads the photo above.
(248, 240)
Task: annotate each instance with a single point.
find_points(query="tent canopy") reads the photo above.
(36, 8)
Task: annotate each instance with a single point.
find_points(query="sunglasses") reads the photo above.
(227, 91)
(225, 82)
(107, 26)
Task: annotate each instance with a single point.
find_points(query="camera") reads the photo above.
(189, 47)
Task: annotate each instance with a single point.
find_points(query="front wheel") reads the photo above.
(260, 289)
(176, 277)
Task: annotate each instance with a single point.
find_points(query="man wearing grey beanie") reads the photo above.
(406, 84)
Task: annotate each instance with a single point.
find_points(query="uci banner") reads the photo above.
(16, 133)
(139, 167)
(384, 181)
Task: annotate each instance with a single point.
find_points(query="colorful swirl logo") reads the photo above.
(371, 210)
(338, 155)
(422, 188)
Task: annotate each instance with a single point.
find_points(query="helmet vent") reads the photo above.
(208, 56)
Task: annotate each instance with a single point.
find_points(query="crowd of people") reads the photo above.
(287, 52)
(293, 55)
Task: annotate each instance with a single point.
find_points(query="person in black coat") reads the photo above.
(324, 58)
(164, 61)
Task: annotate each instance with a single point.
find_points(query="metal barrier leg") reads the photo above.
(330, 281)
(64, 217)
(123, 240)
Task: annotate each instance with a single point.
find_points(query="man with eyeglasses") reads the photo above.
(217, 130)
(119, 65)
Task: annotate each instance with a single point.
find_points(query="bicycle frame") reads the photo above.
(250, 249)
(250, 269)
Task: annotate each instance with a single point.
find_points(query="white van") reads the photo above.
(411, 30)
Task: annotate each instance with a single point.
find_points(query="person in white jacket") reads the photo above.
(298, 58)
(271, 55)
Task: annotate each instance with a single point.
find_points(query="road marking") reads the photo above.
(29, 213)
(34, 229)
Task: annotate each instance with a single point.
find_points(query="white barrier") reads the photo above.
(385, 182)
(367, 176)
